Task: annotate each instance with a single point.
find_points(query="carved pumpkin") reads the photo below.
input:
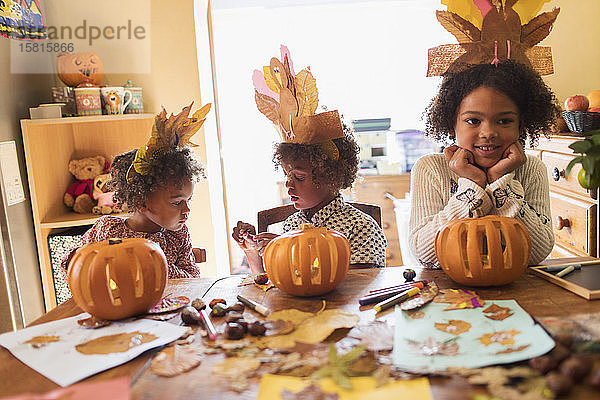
(487, 251)
(118, 278)
(74, 69)
(307, 262)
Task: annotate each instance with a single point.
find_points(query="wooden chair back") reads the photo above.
(278, 214)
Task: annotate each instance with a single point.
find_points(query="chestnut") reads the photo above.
(559, 352)
(576, 367)
(543, 363)
(560, 384)
(190, 316)
(237, 307)
(594, 379)
(234, 331)
(256, 328)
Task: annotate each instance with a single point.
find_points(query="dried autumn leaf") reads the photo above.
(463, 30)
(313, 329)
(293, 315)
(306, 93)
(175, 360)
(338, 367)
(273, 80)
(278, 327)
(312, 392)
(377, 335)
(454, 326)
(268, 106)
(502, 337)
(233, 366)
(538, 28)
(431, 347)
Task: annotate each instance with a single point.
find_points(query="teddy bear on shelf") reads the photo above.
(79, 194)
(103, 196)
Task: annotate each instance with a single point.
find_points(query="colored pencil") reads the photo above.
(385, 294)
(210, 328)
(399, 298)
(406, 284)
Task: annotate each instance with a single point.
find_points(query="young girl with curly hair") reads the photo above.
(313, 182)
(489, 112)
(156, 182)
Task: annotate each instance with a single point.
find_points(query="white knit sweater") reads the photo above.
(438, 196)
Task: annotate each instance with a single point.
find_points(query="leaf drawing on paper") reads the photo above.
(117, 343)
(416, 314)
(454, 326)
(513, 349)
(431, 347)
(497, 313)
(506, 338)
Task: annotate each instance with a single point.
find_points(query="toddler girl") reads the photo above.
(488, 111)
(156, 181)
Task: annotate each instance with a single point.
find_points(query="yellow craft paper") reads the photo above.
(362, 388)
(467, 9)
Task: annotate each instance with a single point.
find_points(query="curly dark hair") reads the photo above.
(170, 167)
(340, 173)
(538, 107)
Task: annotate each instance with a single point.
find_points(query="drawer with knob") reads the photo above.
(574, 222)
(556, 165)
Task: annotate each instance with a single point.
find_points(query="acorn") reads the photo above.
(560, 384)
(190, 316)
(198, 304)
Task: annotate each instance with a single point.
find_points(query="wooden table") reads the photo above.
(537, 296)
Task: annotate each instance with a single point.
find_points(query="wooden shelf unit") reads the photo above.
(49, 146)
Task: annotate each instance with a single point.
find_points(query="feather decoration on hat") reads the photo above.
(290, 101)
(168, 133)
(492, 30)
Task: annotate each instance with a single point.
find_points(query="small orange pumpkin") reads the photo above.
(307, 262)
(487, 251)
(118, 278)
(74, 69)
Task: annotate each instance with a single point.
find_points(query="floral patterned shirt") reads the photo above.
(176, 245)
(367, 241)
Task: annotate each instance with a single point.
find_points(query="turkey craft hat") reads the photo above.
(290, 100)
(493, 30)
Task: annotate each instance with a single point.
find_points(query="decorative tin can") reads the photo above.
(136, 105)
(88, 101)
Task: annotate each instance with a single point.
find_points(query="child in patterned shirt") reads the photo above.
(159, 196)
(488, 111)
(314, 181)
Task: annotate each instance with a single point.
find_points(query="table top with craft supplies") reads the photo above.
(251, 368)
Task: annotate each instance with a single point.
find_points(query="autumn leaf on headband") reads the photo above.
(306, 93)
(268, 106)
(273, 80)
(191, 126)
(538, 28)
(463, 30)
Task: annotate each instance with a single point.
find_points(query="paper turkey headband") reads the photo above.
(290, 100)
(167, 133)
(492, 30)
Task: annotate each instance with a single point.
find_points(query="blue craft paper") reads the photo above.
(471, 352)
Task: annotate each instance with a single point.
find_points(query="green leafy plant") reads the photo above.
(589, 148)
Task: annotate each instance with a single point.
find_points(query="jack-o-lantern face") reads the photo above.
(307, 262)
(485, 251)
(118, 278)
(74, 69)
